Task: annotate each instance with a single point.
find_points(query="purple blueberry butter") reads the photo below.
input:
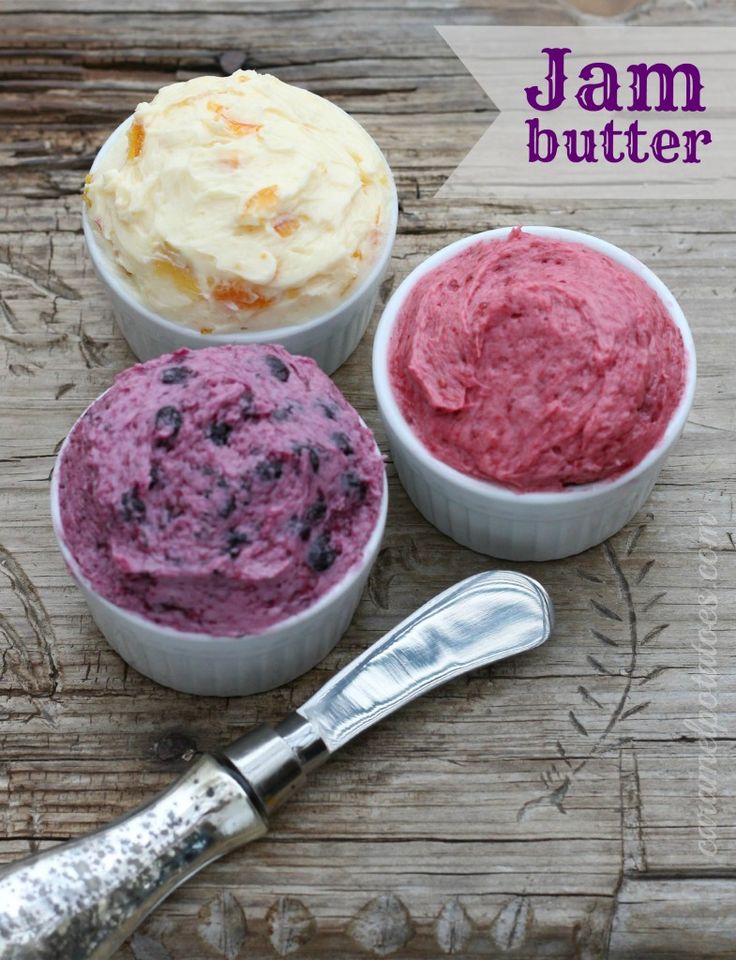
(220, 490)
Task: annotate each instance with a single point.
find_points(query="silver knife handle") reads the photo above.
(81, 899)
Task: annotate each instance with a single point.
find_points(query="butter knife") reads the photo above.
(82, 899)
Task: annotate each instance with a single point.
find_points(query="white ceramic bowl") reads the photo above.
(226, 666)
(493, 519)
(329, 338)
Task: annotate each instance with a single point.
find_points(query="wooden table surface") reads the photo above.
(547, 807)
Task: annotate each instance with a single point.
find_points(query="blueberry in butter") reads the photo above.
(186, 500)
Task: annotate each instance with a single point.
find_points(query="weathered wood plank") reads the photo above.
(650, 911)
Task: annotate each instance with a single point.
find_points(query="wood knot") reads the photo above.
(146, 948)
(513, 923)
(453, 928)
(290, 925)
(222, 925)
(382, 926)
(175, 746)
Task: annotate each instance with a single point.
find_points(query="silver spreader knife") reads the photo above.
(82, 899)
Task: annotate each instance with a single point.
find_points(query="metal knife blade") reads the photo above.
(482, 619)
(500, 614)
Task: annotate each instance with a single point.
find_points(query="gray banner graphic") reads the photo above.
(601, 112)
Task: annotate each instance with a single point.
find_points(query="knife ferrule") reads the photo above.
(273, 762)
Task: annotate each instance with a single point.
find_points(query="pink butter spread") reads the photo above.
(221, 490)
(536, 364)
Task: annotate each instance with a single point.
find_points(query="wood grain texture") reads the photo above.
(546, 807)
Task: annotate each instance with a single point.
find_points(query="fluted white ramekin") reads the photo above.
(496, 520)
(225, 666)
(329, 338)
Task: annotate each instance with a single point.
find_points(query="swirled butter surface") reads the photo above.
(220, 491)
(536, 364)
(241, 203)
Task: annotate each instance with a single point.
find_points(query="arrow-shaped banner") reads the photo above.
(601, 112)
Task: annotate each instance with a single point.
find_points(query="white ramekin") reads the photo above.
(329, 338)
(225, 666)
(493, 519)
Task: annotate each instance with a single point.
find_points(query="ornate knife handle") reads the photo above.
(80, 900)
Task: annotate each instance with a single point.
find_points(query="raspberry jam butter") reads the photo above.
(219, 491)
(535, 363)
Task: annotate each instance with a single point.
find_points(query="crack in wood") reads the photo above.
(26, 667)
(45, 281)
